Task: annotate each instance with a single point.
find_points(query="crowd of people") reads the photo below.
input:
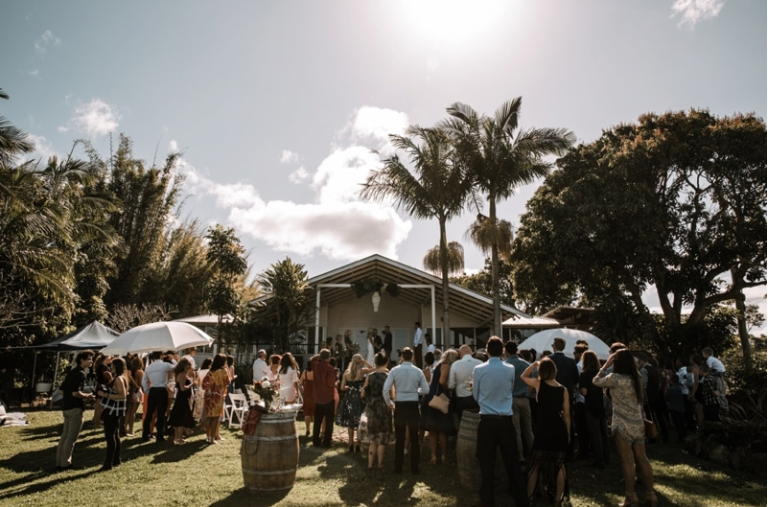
(542, 410)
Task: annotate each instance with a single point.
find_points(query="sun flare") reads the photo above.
(454, 22)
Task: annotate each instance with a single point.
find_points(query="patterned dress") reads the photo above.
(215, 386)
(627, 419)
(352, 406)
(376, 410)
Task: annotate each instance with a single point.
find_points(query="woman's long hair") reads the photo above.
(624, 364)
(449, 357)
(181, 366)
(589, 361)
(287, 361)
(219, 361)
(355, 367)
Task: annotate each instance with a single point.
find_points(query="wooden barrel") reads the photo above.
(271, 455)
(466, 455)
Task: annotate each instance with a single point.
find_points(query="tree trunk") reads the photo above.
(446, 291)
(495, 269)
(746, 346)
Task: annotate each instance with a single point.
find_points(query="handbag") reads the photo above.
(440, 402)
(651, 431)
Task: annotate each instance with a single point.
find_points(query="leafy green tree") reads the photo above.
(149, 198)
(482, 282)
(674, 201)
(227, 258)
(436, 187)
(289, 305)
(500, 158)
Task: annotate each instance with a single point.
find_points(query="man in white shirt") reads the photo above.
(154, 384)
(260, 367)
(459, 380)
(418, 340)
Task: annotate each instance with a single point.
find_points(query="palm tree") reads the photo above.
(288, 310)
(433, 262)
(499, 160)
(437, 188)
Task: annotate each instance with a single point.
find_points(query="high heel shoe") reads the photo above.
(651, 499)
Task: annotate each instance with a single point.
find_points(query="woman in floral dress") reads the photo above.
(352, 407)
(215, 387)
(626, 392)
(377, 412)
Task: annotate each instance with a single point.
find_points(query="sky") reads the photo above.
(278, 107)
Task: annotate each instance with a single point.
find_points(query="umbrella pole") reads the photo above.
(34, 369)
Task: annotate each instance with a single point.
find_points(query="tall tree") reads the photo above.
(676, 201)
(227, 257)
(149, 198)
(436, 187)
(289, 304)
(500, 158)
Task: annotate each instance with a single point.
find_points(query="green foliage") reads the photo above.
(366, 286)
(499, 158)
(675, 200)
(482, 282)
(288, 306)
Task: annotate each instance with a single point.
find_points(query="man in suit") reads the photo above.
(387, 345)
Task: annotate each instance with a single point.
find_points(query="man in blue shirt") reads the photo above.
(493, 384)
(521, 407)
(409, 382)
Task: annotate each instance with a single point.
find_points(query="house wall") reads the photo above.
(357, 315)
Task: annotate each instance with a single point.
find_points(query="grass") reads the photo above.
(199, 474)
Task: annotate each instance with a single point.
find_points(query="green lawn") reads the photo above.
(199, 474)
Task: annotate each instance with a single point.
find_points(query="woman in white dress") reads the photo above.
(289, 378)
(371, 348)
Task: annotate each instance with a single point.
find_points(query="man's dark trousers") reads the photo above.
(157, 399)
(407, 414)
(326, 410)
(499, 431)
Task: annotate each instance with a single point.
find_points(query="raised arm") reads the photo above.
(526, 376)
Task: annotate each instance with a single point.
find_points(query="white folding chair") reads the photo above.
(238, 409)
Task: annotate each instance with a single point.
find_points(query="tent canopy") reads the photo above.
(543, 341)
(93, 336)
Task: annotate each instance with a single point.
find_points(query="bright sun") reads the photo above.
(455, 22)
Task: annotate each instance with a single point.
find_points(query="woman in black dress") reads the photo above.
(439, 425)
(181, 413)
(551, 435)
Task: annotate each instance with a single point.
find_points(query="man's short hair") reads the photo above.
(494, 346)
(407, 354)
(325, 355)
(84, 354)
(418, 324)
(511, 347)
(617, 347)
(558, 344)
(580, 348)
(707, 351)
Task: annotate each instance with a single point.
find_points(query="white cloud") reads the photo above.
(289, 157)
(298, 176)
(35, 73)
(693, 11)
(337, 224)
(96, 118)
(375, 124)
(340, 175)
(45, 41)
(173, 145)
(43, 149)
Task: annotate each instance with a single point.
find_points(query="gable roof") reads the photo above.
(377, 267)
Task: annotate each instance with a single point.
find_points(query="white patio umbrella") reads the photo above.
(158, 336)
(543, 341)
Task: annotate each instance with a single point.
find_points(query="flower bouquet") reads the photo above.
(269, 393)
